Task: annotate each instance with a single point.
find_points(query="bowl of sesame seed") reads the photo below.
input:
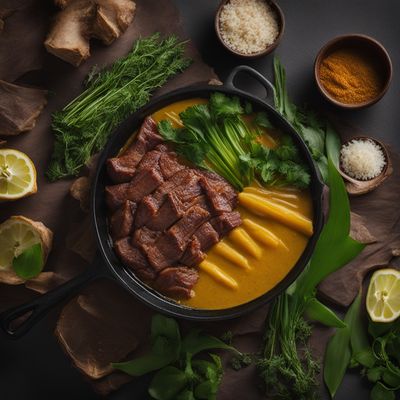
(249, 28)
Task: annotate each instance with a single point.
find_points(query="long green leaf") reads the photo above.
(333, 145)
(316, 311)
(335, 247)
(196, 341)
(338, 351)
(359, 338)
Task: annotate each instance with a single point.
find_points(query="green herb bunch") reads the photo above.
(215, 136)
(378, 357)
(286, 365)
(179, 376)
(83, 127)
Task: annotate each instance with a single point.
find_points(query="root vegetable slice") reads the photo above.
(19, 233)
(228, 252)
(17, 175)
(80, 20)
(277, 212)
(262, 234)
(243, 240)
(218, 275)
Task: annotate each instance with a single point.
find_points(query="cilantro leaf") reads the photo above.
(222, 105)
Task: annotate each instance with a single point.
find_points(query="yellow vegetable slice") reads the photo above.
(18, 234)
(271, 194)
(218, 275)
(383, 297)
(17, 175)
(262, 234)
(243, 240)
(277, 212)
(228, 252)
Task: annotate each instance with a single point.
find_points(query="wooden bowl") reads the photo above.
(372, 48)
(281, 24)
(357, 187)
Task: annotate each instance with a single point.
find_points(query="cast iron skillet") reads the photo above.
(108, 265)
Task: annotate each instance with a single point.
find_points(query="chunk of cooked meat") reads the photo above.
(221, 195)
(20, 107)
(144, 238)
(143, 183)
(169, 164)
(202, 240)
(193, 254)
(225, 222)
(177, 282)
(181, 213)
(122, 169)
(150, 205)
(133, 258)
(169, 248)
(121, 222)
(80, 20)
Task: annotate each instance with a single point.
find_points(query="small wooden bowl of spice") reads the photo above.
(249, 28)
(364, 164)
(353, 71)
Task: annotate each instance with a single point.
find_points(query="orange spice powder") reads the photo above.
(350, 76)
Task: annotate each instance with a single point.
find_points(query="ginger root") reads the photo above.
(80, 20)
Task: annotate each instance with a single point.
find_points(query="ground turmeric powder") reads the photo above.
(350, 76)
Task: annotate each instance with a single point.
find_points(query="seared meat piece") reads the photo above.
(169, 248)
(143, 183)
(143, 238)
(177, 282)
(121, 222)
(184, 185)
(193, 255)
(172, 209)
(116, 195)
(203, 239)
(122, 169)
(207, 236)
(225, 222)
(221, 195)
(134, 259)
(169, 164)
(147, 209)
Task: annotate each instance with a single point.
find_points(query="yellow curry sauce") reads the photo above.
(250, 261)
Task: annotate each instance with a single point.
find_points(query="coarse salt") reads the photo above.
(248, 26)
(362, 159)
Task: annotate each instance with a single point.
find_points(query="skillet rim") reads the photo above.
(141, 291)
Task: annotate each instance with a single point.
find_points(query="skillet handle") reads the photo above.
(269, 87)
(39, 307)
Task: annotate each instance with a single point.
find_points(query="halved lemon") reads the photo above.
(383, 297)
(17, 175)
(18, 234)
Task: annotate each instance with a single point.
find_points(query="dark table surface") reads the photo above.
(35, 368)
